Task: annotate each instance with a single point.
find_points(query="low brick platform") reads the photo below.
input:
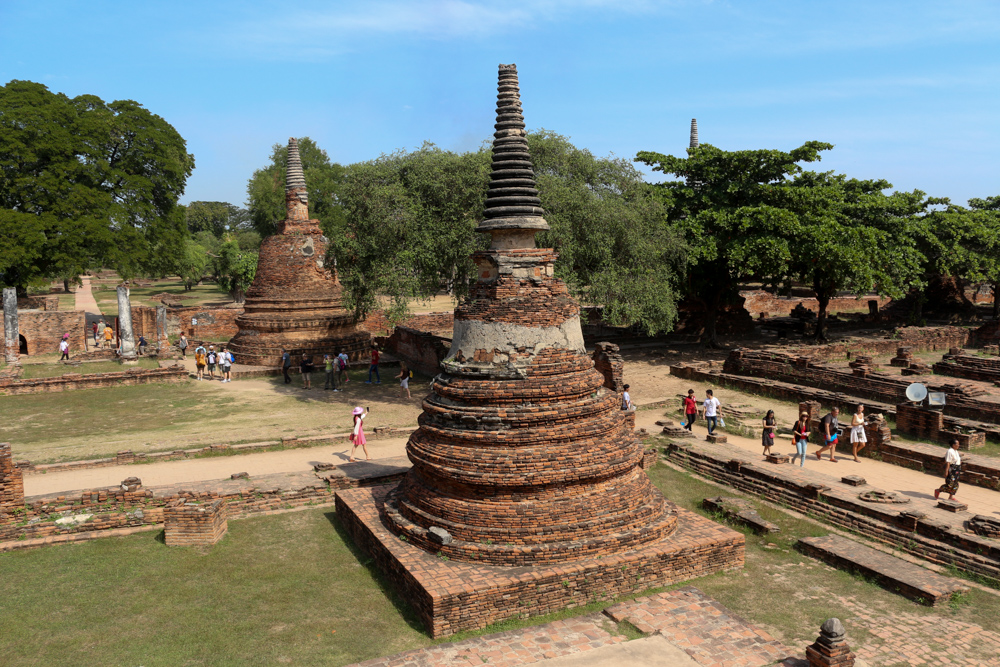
(740, 511)
(188, 524)
(450, 596)
(894, 574)
(688, 619)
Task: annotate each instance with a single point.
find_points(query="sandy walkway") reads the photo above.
(85, 300)
(207, 469)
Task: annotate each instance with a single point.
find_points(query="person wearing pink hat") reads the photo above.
(357, 436)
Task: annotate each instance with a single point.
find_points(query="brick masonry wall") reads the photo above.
(187, 524)
(982, 369)
(420, 350)
(438, 323)
(43, 302)
(911, 532)
(11, 481)
(760, 301)
(920, 339)
(43, 329)
(71, 381)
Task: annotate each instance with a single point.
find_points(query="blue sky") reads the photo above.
(907, 91)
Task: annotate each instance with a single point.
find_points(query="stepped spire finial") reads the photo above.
(694, 133)
(512, 201)
(296, 195)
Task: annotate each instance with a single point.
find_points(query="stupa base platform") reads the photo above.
(450, 596)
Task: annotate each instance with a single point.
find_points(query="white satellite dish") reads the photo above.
(916, 392)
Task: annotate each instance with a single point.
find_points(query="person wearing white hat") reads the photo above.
(357, 436)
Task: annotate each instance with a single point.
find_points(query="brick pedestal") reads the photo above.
(194, 523)
(11, 481)
(830, 649)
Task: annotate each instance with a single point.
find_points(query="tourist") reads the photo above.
(342, 364)
(108, 335)
(690, 410)
(212, 358)
(711, 406)
(330, 368)
(858, 437)
(627, 399)
(183, 344)
(767, 432)
(374, 367)
(142, 344)
(94, 327)
(286, 364)
(357, 436)
(800, 431)
(226, 362)
(64, 347)
(101, 326)
(199, 362)
(952, 471)
(404, 379)
(829, 429)
(306, 367)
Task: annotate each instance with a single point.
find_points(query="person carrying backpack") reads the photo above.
(200, 361)
(342, 368)
(213, 360)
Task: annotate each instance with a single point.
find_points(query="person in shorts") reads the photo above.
(142, 344)
(212, 358)
(690, 410)
(226, 364)
(829, 430)
(183, 345)
(109, 333)
(342, 365)
(306, 367)
(200, 361)
(404, 379)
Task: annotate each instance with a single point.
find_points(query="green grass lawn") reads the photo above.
(290, 589)
(43, 370)
(201, 294)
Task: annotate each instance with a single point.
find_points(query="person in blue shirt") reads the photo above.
(286, 363)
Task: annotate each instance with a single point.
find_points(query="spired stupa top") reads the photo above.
(294, 177)
(512, 201)
(296, 194)
(694, 133)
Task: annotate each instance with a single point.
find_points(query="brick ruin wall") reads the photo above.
(42, 302)
(921, 339)
(213, 324)
(758, 301)
(188, 524)
(11, 481)
(968, 367)
(70, 381)
(421, 350)
(439, 323)
(962, 400)
(44, 329)
(911, 532)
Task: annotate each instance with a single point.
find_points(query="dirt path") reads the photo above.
(85, 300)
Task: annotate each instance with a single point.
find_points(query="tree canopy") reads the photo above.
(99, 180)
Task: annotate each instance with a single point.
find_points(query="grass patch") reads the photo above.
(200, 295)
(35, 371)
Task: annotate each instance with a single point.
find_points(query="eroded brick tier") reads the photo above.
(295, 301)
(523, 454)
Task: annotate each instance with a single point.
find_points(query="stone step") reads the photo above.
(894, 574)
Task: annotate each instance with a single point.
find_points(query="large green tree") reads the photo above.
(102, 180)
(266, 189)
(731, 209)
(218, 217)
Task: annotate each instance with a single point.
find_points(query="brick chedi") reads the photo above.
(295, 299)
(522, 455)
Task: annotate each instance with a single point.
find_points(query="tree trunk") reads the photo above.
(996, 299)
(823, 299)
(66, 285)
(710, 338)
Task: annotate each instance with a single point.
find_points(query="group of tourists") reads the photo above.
(335, 368)
(104, 334)
(209, 360)
(828, 432)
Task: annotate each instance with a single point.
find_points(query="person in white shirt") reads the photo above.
(712, 406)
(627, 400)
(64, 348)
(952, 471)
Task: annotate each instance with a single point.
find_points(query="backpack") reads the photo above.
(341, 364)
(411, 374)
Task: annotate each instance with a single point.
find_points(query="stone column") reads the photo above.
(162, 340)
(127, 338)
(10, 326)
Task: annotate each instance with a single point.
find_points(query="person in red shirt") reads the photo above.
(690, 409)
(374, 367)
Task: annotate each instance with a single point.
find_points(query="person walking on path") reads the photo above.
(286, 363)
(800, 431)
(404, 380)
(952, 471)
(94, 327)
(357, 436)
(342, 364)
(108, 335)
(99, 338)
(183, 345)
(858, 437)
(767, 432)
(226, 364)
(142, 345)
(330, 368)
(690, 410)
(213, 359)
(200, 361)
(306, 367)
(64, 348)
(712, 406)
(829, 428)
(374, 367)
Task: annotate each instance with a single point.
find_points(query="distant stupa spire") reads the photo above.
(694, 133)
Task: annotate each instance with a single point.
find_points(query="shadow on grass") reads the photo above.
(402, 606)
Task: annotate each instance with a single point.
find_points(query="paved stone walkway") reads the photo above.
(699, 626)
(85, 300)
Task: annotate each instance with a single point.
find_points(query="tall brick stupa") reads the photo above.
(295, 299)
(526, 474)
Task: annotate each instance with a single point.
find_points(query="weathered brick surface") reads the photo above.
(421, 350)
(11, 481)
(758, 302)
(984, 369)
(43, 330)
(450, 595)
(895, 574)
(188, 524)
(439, 323)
